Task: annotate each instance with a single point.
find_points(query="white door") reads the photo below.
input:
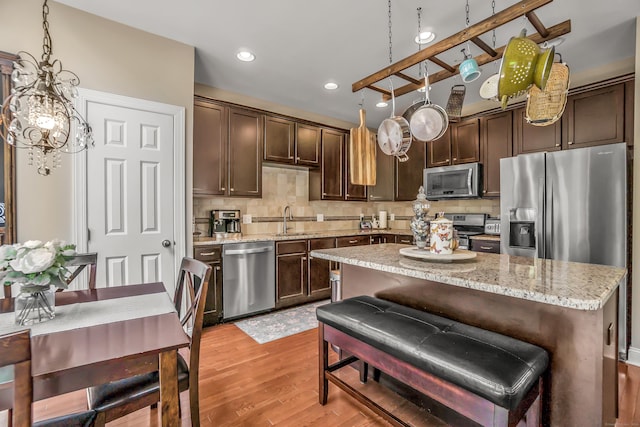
(131, 191)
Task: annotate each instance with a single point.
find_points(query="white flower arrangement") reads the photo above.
(36, 264)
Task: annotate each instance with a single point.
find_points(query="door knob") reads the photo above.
(166, 243)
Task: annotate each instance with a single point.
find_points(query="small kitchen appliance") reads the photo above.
(492, 226)
(466, 225)
(453, 182)
(224, 221)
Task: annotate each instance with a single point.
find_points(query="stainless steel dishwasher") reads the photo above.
(249, 281)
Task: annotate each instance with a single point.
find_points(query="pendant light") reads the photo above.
(39, 114)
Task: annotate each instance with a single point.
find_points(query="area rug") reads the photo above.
(273, 326)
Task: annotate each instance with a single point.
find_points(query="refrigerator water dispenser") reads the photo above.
(522, 234)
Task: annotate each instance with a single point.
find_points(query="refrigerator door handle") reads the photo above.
(549, 226)
(469, 181)
(540, 233)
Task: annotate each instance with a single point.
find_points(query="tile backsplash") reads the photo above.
(290, 186)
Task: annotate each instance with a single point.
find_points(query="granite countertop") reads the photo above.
(566, 284)
(206, 241)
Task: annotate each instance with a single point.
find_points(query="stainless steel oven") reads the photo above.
(457, 181)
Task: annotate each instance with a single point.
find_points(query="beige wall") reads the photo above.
(107, 57)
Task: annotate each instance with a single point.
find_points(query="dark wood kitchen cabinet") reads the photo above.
(245, 153)
(308, 140)
(459, 144)
(212, 255)
(327, 182)
(343, 242)
(532, 139)
(384, 188)
(439, 150)
(465, 141)
(595, 117)
(209, 149)
(291, 273)
(279, 140)
(496, 143)
(289, 142)
(227, 150)
(319, 285)
(409, 174)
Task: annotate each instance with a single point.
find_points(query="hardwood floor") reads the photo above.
(243, 383)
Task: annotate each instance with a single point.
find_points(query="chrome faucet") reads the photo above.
(284, 218)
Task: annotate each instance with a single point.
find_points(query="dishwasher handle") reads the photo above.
(247, 251)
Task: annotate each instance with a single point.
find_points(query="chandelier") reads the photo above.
(39, 114)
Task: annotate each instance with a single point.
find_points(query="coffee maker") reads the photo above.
(224, 221)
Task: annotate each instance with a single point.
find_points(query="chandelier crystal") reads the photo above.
(39, 114)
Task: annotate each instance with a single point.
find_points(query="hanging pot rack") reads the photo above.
(472, 34)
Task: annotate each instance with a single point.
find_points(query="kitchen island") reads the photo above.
(569, 309)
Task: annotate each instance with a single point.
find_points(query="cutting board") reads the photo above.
(362, 154)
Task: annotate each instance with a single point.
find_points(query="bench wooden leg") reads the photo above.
(376, 374)
(364, 371)
(323, 353)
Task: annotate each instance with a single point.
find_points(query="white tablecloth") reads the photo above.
(81, 315)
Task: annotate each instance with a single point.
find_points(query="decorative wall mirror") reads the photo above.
(7, 162)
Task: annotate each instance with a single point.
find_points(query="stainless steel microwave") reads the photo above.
(457, 181)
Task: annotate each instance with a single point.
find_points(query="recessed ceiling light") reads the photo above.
(381, 104)
(425, 37)
(331, 86)
(246, 56)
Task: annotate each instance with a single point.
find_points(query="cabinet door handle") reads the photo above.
(455, 158)
(218, 268)
(486, 248)
(557, 145)
(485, 191)
(208, 253)
(222, 188)
(447, 160)
(297, 159)
(302, 261)
(405, 241)
(353, 241)
(232, 189)
(570, 142)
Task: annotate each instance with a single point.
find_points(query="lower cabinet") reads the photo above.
(405, 239)
(291, 273)
(343, 242)
(319, 286)
(376, 239)
(481, 245)
(212, 255)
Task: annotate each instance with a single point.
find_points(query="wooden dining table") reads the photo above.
(104, 335)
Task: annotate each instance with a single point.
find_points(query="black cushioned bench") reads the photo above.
(490, 378)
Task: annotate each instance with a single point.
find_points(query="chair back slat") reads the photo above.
(16, 350)
(80, 262)
(193, 284)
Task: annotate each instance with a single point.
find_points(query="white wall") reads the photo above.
(107, 57)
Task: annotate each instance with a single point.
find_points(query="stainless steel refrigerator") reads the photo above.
(568, 205)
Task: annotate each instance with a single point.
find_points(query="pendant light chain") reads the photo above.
(390, 43)
(467, 26)
(419, 44)
(493, 33)
(46, 41)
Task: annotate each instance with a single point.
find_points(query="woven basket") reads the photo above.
(545, 107)
(454, 104)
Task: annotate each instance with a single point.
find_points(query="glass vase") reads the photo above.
(34, 304)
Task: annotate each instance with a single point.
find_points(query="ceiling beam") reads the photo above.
(507, 15)
(553, 32)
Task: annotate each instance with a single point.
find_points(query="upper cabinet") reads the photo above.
(307, 145)
(384, 188)
(595, 117)
(409, 173)
(227, 150)
(209, 149)
(459, 144)
(496, 138)
(532, 139)
(331, 180)
(290, 142)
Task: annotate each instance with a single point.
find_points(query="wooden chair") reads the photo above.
(16, 350)
(76, 265)
(119, 398)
